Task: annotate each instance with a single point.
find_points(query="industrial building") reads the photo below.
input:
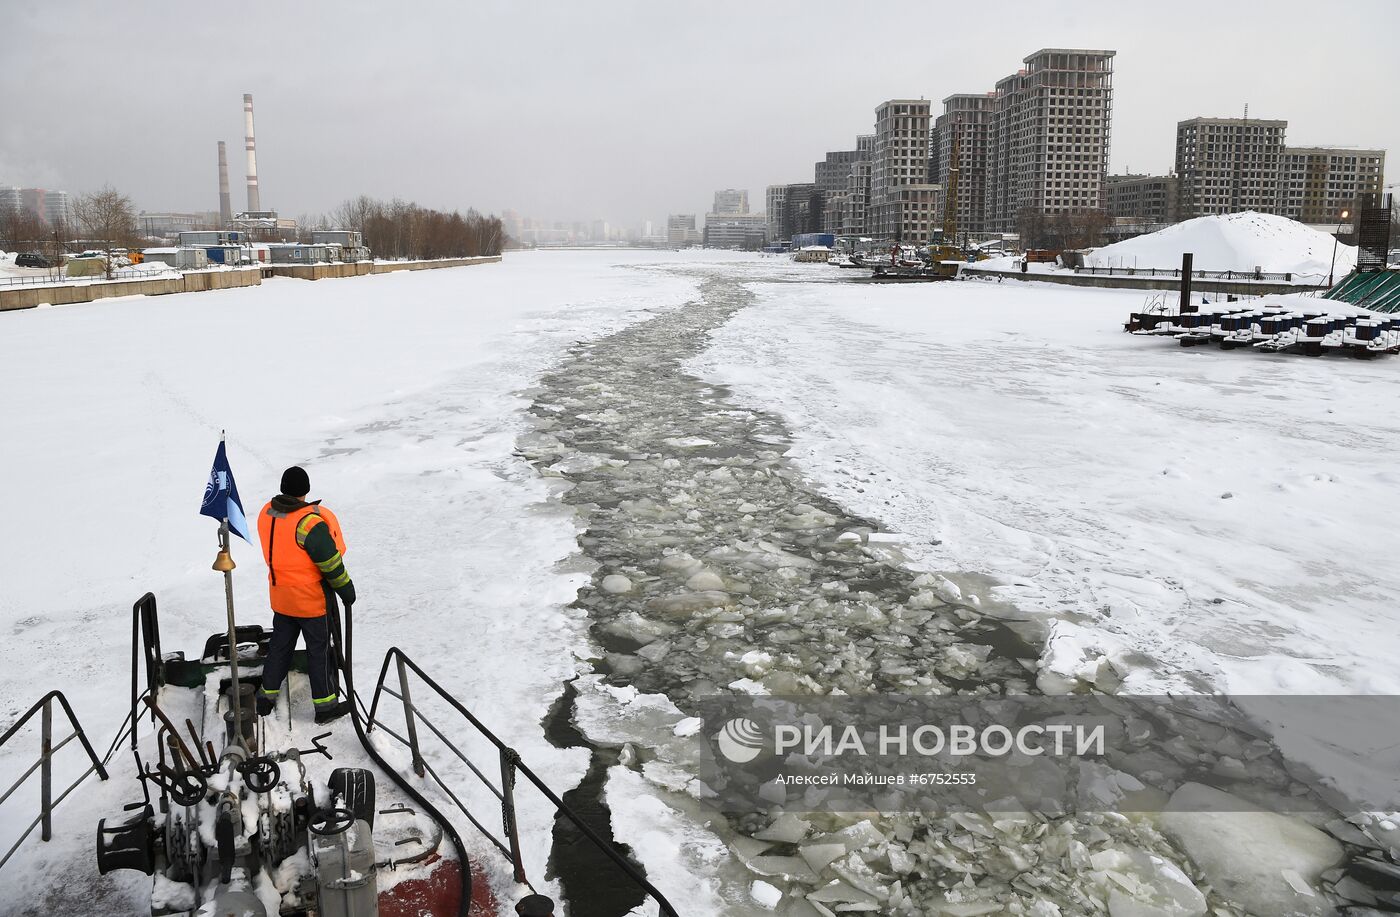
(166, 224)
(901, 207)
(349, 245)
(265, 225)
(300, 253)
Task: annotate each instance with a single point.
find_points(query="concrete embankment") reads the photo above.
(199, 281)
(361, 268)
(67, 294)
(1242, 287)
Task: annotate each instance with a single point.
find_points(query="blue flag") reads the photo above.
(221, 496)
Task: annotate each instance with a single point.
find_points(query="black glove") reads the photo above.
(347, 595)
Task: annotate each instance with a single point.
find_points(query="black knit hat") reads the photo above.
(295, 482)
(534, 906)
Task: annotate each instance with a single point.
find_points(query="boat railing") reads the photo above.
(48, 748)
(508, 763)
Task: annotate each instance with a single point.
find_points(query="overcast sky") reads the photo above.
(619, 111)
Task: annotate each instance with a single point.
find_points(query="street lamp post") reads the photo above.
(1331, 271)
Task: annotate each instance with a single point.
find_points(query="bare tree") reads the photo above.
(401, 229)
(108, 217)
(21, 227)
(1031, 224)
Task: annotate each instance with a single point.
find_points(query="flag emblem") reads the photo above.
(221, 496)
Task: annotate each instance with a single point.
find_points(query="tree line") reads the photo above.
(402, 229)
(391, 229)
(1083, 229)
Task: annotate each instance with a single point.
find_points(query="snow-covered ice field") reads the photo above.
(401, 394)
(1206, 518)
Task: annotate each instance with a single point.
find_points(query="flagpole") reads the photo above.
(224, 564)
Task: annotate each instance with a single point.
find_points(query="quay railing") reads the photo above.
(1126, 271)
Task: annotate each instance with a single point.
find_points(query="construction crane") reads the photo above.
(950, 191)
(945, 248)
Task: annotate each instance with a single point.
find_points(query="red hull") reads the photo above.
(438, 895)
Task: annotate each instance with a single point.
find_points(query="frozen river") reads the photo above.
(630, 482)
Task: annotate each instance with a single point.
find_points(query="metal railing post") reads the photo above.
(46, 769)
(508, 758)
(408, 717)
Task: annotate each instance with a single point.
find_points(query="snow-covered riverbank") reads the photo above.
(1188, 513)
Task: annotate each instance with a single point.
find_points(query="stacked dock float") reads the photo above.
(1310, 331)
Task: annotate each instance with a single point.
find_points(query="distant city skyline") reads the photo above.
(588, 112)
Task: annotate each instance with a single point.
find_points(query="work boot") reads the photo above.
(266, 703)
(331, 711)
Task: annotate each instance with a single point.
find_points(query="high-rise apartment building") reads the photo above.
(1317, 183)
(53, 207)
(901, 197)
(802, 210)
(855, 201)
(9, 199)
(775, 200)
(833, 180)
(1048, 136)
(731, 200)
(1142, 200)
(793, 209)
(966, 118)
(32, 199)
(58, 210)
(1228, 164)
(831, 172)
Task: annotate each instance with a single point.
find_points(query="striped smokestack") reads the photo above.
(225, 208)
(253, 203)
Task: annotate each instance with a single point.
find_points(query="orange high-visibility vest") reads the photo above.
(293, 579)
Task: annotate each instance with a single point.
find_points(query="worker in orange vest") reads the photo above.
(304, 550)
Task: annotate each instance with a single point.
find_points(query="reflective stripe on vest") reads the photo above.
(294, 580)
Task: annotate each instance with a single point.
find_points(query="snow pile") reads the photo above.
(1232, 242)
